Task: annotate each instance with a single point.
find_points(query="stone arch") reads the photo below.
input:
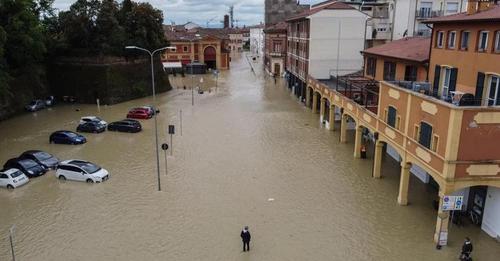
(210, 56)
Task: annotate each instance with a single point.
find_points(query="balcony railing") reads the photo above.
(425, 13)
(455, 97)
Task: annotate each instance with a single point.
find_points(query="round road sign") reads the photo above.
(164, 146)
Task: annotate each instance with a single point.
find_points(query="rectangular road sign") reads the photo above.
(452, 203)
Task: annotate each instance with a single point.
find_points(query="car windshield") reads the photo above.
(32, 103)
(28, 163)
(42, 155)
(16, 174)
(89, 167)
(71, 134)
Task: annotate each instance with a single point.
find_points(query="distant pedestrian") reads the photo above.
(466, 249)
(274, 76)
(245, 236)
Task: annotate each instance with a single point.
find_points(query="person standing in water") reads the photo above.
(245, 236)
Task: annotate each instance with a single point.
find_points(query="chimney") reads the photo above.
(476, 6)
(226, 21)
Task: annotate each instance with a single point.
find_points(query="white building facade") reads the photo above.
(257, 41)
(335, 42)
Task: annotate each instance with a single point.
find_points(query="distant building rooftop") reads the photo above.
(490, 15)
(411, 48)
(327, 5)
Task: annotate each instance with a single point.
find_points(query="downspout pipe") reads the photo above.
(430, 51)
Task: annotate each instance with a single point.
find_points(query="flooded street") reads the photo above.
(241, 145)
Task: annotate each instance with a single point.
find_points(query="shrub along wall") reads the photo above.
(110, 82)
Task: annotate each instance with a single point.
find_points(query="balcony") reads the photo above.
(455, 98)
(277, 54)
(426, 13)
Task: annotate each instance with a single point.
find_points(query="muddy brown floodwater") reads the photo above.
(246, 143)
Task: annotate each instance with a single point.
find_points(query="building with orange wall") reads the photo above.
(205, 45)
(444, 127)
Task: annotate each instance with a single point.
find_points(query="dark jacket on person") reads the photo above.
(467, 247)
(245, 235)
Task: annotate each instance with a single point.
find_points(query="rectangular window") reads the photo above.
(398, 122)
(494, 91)
(391, 116)
(425, 9)
(451, 7)
(464, 40)
(411, 73)
(371, 66)
(451, 39)
(425, 135)
(277, 47)
(445, 87)
(389, 71)
(185, 49)
(439, 39)
(483, 41)
(497, 42)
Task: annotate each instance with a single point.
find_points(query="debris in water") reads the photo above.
(270, 199)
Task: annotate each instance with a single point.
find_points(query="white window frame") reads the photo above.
(440, 39)
(185, 49)
(495, 95)
(452, 39)
(452, 12)
(496, 47)
(466, 47)
(480, 41)
(445, 84)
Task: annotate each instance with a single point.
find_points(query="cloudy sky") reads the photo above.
(247, 12)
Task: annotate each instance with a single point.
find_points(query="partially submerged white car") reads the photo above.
(86, 119)
(12, 178)
(80, 170)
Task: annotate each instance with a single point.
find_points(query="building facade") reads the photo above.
(427, 9)
(237, 39)
(275, 48)
(204, 45)
(276, 11)
(441, 124)
(323, 41)
(257, 40)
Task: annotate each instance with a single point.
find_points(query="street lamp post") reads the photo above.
(192, 68)
(151, 54)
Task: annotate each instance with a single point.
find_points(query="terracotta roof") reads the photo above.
(175, 33)
(411, 48)
(278, 27)
(327, 5)
(492, 14)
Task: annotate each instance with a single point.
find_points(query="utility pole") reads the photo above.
(11, 238)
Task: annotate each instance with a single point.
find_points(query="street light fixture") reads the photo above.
(151, 54)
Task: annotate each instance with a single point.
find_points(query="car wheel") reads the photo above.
(10, 186)
(61, 177)
(90, 181)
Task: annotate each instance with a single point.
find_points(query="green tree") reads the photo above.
(109, 34)
(144, 26)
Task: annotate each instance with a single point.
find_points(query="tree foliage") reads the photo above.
(31, 32)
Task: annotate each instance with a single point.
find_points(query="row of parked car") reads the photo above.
(35, 163)
(94, 124)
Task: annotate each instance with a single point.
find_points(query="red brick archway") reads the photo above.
(210, 57)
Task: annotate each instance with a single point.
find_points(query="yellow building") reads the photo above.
(445, 121)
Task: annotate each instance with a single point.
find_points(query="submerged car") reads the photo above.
(91, 126)
(125, 126)
(93, 119)
(139, 113)
(67, 137)
(150, 110)
(35, 105)
(81, 170)
(41, 157)
(49, 101)
(12, 178)
(29, 167)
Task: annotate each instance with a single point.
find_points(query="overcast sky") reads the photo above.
(248, 12)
